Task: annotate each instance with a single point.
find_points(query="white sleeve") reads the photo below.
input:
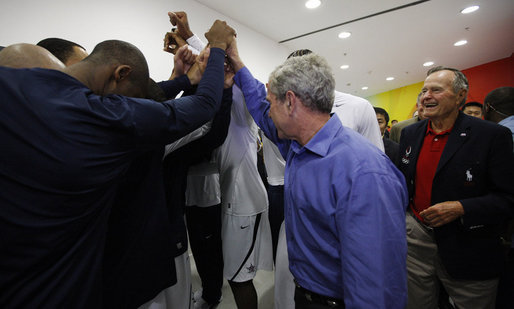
(358, 114)
(195, 43)
(368, 127)
(196, 134)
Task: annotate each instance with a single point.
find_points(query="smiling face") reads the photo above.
(439, 101)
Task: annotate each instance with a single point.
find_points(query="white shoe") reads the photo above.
(200, 303)
(197, 295)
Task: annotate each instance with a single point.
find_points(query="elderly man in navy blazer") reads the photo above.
(459, 172)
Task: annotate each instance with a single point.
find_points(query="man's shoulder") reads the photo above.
(341, 98)
(410, 125)
(481, 127)
(405, 123)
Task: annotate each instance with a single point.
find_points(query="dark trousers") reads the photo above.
(204, 228)
(312, 301)
(505, 296)
(276, 213)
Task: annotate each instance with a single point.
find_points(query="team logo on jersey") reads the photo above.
(405, 158)
(251, 268)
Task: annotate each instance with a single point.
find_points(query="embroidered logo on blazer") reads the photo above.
(469, 176)
(405, 158)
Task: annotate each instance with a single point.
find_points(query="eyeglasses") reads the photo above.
(489, 106)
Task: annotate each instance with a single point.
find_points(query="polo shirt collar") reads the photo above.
(432, 132)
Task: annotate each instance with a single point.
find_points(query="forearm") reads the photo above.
(189, 138)
(211, 84)
(219, 129)
(255, 97)
(195, 42)
(488, 209)
(173, 87)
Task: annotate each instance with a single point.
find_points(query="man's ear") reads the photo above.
(461, 95)
(121, 72)
(291, 100)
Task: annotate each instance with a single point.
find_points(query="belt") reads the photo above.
(410, 211)
(320, 299)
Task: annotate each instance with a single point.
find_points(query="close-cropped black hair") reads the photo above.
(381, 111)
(60, 48)
(300, 52)
(472, 103)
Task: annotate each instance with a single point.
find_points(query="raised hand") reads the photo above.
(179, 19)
(196, 71)
(220, 35)
(172, 42)
(183, 60)
(233, 56)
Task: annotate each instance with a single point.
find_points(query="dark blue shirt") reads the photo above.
(63, 152)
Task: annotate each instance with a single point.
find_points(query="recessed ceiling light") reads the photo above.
(460, 43)
(470, 9)
(428, 63)
(344, 66)
(364, 88)
(312, 4)
(390, 78)
(344, 35)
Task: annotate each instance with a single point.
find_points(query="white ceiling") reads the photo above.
(394, 43)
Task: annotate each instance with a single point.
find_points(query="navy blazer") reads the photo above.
(477, 169)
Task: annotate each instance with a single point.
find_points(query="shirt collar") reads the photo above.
(432, 132)
(320, 142)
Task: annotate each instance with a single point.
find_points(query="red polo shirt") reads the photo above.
(428, 159)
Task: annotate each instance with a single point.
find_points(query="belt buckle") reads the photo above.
(332, 303)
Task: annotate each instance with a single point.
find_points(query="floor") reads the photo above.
(263, 281)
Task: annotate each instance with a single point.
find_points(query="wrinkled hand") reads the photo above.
(442, 213)
(183, 60)
(179, 19)
(196, 71)
(233, 56)
(220, 35)
(172, 42)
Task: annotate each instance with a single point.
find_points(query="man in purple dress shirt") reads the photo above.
(344, 199)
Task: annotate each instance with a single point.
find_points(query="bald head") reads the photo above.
(29, 56)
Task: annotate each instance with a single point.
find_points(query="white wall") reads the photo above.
(142, 23)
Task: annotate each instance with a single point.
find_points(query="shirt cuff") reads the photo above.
(195, 43)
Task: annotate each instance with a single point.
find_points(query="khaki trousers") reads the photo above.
(424, 268)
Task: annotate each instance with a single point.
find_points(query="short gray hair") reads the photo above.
(459, 81)
(309, 77)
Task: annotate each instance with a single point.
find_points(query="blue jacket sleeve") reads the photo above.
(173, 87)
(498, 204)
(202, 148)
(154, 123)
